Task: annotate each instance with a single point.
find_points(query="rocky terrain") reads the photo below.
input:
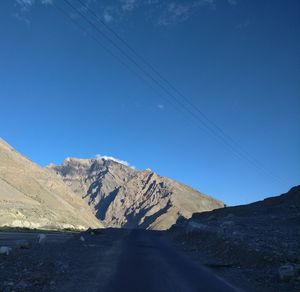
(62, 262)
(258, 244)
(84, 193)
(121, 196)
(33, 197)
(255, 247)
(107, 260)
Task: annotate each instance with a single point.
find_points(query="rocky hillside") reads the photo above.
(121, 196)
(33, 197)
(259, 241)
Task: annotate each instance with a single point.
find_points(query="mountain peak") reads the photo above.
(120, 196)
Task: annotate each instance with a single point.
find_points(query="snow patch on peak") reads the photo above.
(124, 162)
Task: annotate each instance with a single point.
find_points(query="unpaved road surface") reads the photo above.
(114, 260)
(149, 263)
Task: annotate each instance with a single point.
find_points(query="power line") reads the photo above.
(180, 103)
(210, 127)
(178, 92)
(86, 31)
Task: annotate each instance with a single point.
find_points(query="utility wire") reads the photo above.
(210, 126)
(145, 81)
(178, 92)
(87, 32)
(166, 91)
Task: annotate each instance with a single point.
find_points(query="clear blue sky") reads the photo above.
(62, 95)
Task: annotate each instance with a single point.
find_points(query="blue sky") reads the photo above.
(238, 61)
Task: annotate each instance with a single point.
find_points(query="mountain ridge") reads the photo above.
(121, 196)
(97, 192)
(33, 197)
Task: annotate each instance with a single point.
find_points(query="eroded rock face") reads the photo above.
(121, 196)
(34, 197)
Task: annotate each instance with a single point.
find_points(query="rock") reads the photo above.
(5, 250)
(226, 224)
(97, 231)
(62, 267)
(286, 272)
(23, 244)
(91, 231)
(82, 238)
(42, 238)
(193, 226)
(21, 285)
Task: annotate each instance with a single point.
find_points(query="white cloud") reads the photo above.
(107, 16)
(128, 5)
(24, 6)
(19, 16)
(164, 13)
(177, 12)
(47, 2)
(99, 156)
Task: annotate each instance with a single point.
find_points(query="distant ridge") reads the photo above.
(98, 192)
(121, 196)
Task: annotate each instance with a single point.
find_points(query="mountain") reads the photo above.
(34, 197)
(121, 196)
(258, 240)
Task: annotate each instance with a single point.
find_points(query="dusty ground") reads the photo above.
(62, 260)
(113, 260)
(248, 244)
(245, 245)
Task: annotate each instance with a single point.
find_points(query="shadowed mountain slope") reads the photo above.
(121, 196)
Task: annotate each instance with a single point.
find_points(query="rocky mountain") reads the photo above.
(121, 196)
(259, 240)
(34, 197)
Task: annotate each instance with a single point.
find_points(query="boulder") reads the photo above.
(5, 250)
(286, 272)
(23, 244)
(42, 238)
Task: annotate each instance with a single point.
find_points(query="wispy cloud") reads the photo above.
(161, 13)
(47, 2)
(24, 5)
(23, 8)
(107, 16)
(161, 107)
(177, 12)
(244, 24)
(99, 156)
(128, 5)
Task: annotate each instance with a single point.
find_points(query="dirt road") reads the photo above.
(114, 260)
